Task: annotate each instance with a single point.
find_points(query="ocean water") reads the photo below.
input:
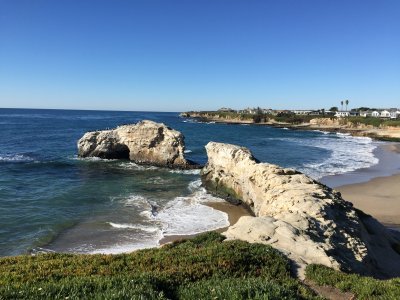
(51, 200)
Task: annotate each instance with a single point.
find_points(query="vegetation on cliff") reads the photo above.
(201, 268)
(258, 117)
(204, 267)
(375, 122)
(288, 118)
(363, 287)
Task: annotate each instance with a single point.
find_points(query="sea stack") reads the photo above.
(145, 142)
(299, 216)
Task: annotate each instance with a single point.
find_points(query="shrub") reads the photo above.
(180, 270)
(363, 287)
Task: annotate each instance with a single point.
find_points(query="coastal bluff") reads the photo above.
(306, 220)
(145, 142)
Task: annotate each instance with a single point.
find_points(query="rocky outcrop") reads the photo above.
(306, 220)
(146, 142)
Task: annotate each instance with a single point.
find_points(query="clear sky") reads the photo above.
(170, 55)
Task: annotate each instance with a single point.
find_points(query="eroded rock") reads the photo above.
(146, 142)
(303, 218)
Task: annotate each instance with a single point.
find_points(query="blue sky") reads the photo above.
(180, 55)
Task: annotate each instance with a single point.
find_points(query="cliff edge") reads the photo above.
(299, 216)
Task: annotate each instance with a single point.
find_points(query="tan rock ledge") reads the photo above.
(301, 217)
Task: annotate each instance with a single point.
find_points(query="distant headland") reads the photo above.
(380, 124)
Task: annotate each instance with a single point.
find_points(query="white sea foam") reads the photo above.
(158, 180)
(181, 216)
(187, 151)
(15, 158)
(140, 202)
(189, 215)
(343, 134)
(93, 159)
(194, 185)
(150, 229)
(133, 166)
(348, 154)
(187, 172)
(321, 131)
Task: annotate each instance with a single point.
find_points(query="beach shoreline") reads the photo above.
(374, 190)
(380, 195)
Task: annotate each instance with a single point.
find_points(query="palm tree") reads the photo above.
(341, 102)
(347, 103)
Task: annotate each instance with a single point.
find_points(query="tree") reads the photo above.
(363, 108)
(334, 108)
(341, 102)
(259, 116)
(347, 103)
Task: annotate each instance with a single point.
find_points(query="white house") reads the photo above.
(365, 114)
(375, 114)
(341, 114)
(385, 114)
(301, 112)
(394, 114)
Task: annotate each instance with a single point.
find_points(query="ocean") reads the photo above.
(51, 200)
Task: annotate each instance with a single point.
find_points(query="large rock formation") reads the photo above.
(146, 142)
(306, 220)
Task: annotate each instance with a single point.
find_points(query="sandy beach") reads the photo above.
(379, 197)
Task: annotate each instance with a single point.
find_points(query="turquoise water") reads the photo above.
(50, 200)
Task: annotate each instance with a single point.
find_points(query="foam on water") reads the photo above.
(184, 216)
(348, 153)
(189, 215)
(140, 202)
(93, 159)
(158, 180)
(133, 166)
(321, 131)
(180, 216)
(194, 185)
(15, 158)
(150, 229)
(187, 172)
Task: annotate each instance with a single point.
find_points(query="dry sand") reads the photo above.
(379, 197)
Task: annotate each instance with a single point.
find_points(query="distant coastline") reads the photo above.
(330, 124)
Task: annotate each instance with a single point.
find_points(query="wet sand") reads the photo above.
(234, 212)
(379, 197)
